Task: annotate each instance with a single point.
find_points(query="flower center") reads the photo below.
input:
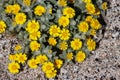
(76, 44)
(69, 11)
(14, 67)
(21, 58)
(20, 18)
(33, 63)
(48, 67)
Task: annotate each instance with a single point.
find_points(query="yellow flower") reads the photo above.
(13, 57)
(69, 12)
(80, 56)
(9, 9)
(58, 63)
(39, 10)
(2, 26)
(63, 21)
(76, 44)
(34, 45)
(32, 63)
(51, 74)
(95, 24)
(90, 8)
(47, 66)
(32, 26)
(40, 59)
(15, 8)
(104, 5)
(13, 67)
(62, 3)
(93, 32)
(21, 58)
(69, 56)
(27, 2)
(91, 44)
(87, 1)
(83, 26)
(12, 8)
(52, 41)
(35, 35)
(17, 47)
(20, 18)
(63, 46)
(64, 34)
(88, 19)
(54, 30)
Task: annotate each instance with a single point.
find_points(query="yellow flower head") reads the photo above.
(63, 46)
(33, 26)
(15, 8)
(95, 24)
(20, 18)
(40, 59)
(62, 3)
(88, 19)
(90, 8)
(35, 35)
(93, 32)
(9, 9)
(32, 63)
(91, 44)
(2, 26)
(63, 21)
(69, 12)
(17, 47)
(58, 63)
(21, 58)
(52, 41)
(76, 44)
(80, 56)
(27, 2)
(34, 45)
(69, 56)
(83, 26)
(104, 6)
(47, 66)
(87, 1)
(39, 10)
(54, 30)
(13, 57)
(13, 67)
(64, 34)
(51, 74)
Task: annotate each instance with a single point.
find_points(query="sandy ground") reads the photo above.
(103, 64)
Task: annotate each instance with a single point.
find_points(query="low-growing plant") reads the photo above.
(51, 32)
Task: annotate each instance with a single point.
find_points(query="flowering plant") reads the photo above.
(52, 32)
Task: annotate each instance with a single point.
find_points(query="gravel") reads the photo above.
(103, 64)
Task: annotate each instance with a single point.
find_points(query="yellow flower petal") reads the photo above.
(20, 18)
(13, 67)
(32, 63)
(80, 56)
(76, 44)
